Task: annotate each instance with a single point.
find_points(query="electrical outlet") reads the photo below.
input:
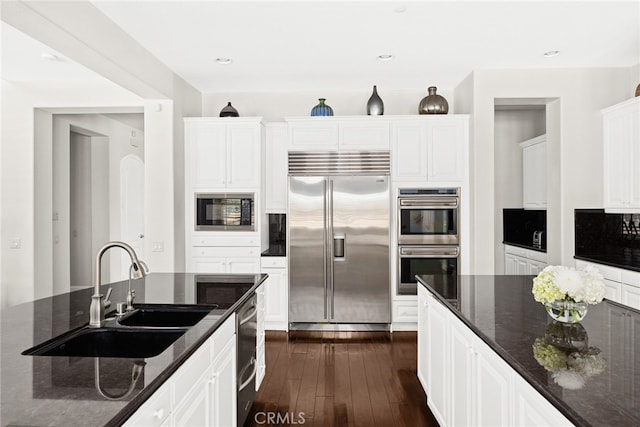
(157, 247)
(15, 243)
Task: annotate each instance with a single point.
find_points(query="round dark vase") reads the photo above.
(229, 111)
(433, 103)
(638, 90)
(375, 106)
(322, 109)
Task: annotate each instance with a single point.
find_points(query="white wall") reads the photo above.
(274, 106)
(582, 94)
(511, 128)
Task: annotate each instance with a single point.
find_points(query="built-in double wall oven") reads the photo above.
(428, 238)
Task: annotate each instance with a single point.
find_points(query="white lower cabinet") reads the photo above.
(234, 259)
(276, 293)
(202, 392)
(523, 262)
(465, 380)
(622, 286)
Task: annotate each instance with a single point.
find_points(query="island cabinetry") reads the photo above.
(343, 133)
(519, 261)
(467, 382)
(223, 153)
(431, 149)
(202, 391)
(534, 173)
(621, 156)
(260, 336)
(276, 293)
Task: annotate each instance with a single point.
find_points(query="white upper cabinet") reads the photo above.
(338, 133)
(621, 143)
(275, 167)
(432, 148)
(223, 152)
(534, 173)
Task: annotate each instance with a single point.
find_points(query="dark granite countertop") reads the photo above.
(502, 312)
(275, 250)
(60, 391)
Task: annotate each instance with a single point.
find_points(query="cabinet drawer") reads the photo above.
(154, 411)
(273, 262)
(227, 252)
(405, 311)
(610, 273)
(189, 373)
(631, 278)
(233, 239)
(225, 332)
(526, 253)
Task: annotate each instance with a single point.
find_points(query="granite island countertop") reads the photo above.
(502, 312)
(52, 391)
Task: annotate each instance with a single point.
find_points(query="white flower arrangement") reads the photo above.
(569, 370)
(557, 282)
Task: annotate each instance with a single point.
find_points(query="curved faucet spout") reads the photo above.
(98, 304)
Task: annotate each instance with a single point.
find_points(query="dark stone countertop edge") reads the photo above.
(609, 263)
(520, 245)
(276, 251)
(568, 412)
(125, 413)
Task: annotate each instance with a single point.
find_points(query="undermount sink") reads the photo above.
(165, 316)
(108, 342)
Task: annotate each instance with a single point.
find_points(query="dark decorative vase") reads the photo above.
(433, 103)
(638, 90)
(375, 106)
(229, 111)
(322, 109)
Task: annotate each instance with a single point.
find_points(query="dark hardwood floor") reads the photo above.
(341, 379)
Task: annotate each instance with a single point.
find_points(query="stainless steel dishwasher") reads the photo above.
(246, 356)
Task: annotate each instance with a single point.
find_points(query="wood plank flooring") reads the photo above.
(341, 379)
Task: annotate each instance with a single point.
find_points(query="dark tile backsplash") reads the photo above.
(518, 226)
(612, 239)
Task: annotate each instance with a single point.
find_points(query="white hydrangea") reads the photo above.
(568, 281)
(571, 380)
(559, 282)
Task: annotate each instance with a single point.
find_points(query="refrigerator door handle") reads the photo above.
(325, 264)
(338, 247)
(330, 248)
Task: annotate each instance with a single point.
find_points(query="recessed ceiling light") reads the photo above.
(223, 61)
(551, 53)
(385, 57)
(400, 9)
(46, 56)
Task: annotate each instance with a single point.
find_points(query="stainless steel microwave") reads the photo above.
(224, 212)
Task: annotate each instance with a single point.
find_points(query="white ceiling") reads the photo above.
(333, 45)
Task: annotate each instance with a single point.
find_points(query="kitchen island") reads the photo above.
(486, 357)
(51, 391)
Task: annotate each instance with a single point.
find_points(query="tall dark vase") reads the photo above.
(375, 106)
(433, 103)
(322, 109)
(229, 111)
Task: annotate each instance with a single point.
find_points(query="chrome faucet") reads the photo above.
(131, 293)
(98, 304)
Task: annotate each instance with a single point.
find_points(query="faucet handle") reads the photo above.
(106, 301)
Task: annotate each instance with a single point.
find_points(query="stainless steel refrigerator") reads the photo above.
(339, 244)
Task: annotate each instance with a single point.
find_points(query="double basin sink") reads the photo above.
(145, 332)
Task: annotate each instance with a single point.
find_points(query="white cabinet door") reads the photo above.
(522, 266)
(613, 290)
(492, 388)
(369, 134)
(208, 265)
(621, 156)
(195, 408)
(155, 411)
(535, 267)
(276, 168)
(260, 335)
(438, 361)
(631, 296)
(409, 151)
(534, 173)
(321, 134)
(462, 368)
(531, 409)
(276, 298)
(206, 151)
(446, 150)
(510, 264)
(223, 390)
(243, 156)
